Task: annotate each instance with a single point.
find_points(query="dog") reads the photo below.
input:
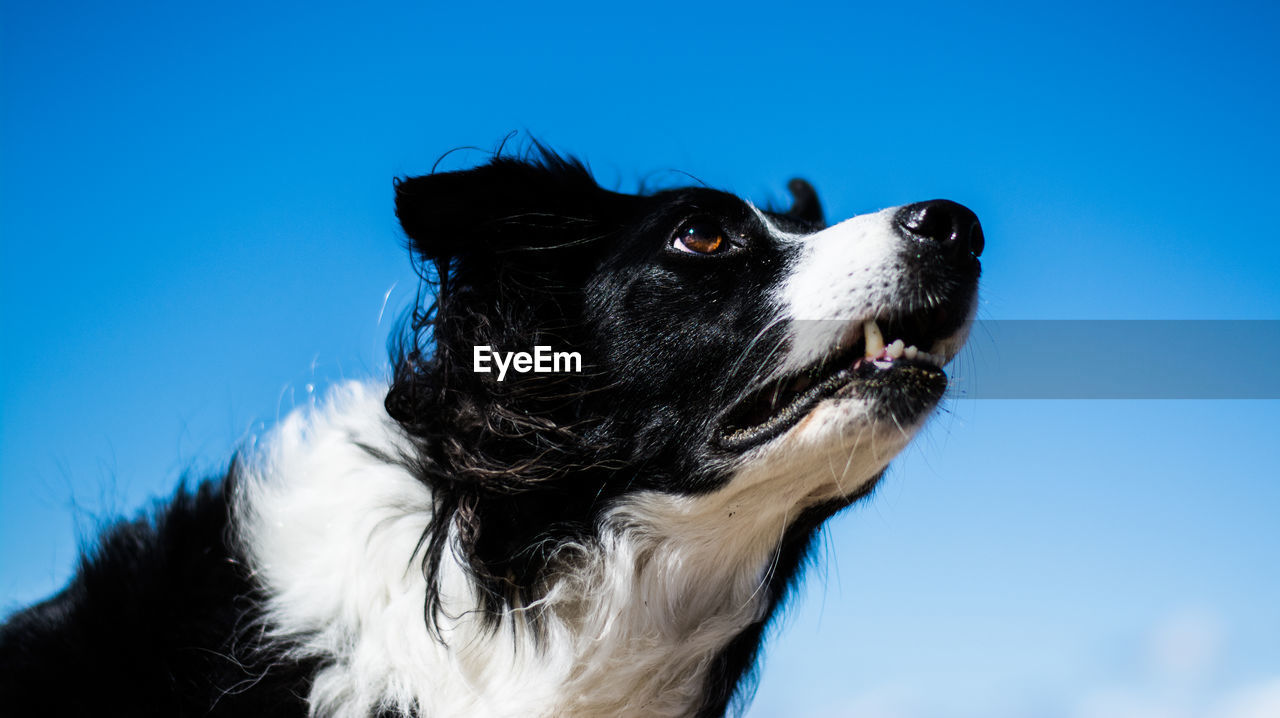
(605, 538)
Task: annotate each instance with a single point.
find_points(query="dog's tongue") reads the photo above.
(881, 361)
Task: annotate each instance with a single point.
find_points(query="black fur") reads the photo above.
(159, 620)
(162, 616)
(528, 252)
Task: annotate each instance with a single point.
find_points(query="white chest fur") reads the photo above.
(331, 531)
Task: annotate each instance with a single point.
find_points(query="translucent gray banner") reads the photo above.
(1085, 359)
(1090, 359)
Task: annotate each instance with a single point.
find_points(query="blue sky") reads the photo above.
(196, 235)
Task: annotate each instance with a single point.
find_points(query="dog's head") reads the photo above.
(726, 349)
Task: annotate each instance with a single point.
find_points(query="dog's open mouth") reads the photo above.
(882, 354)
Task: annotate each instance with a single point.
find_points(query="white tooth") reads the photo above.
(896, 349)
(875, 340)
(910, 352)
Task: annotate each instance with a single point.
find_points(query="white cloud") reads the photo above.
(1178, 669)
(1261, 700)
(1186, 647)
(1184, 653)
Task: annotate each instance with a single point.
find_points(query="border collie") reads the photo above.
(609, 540)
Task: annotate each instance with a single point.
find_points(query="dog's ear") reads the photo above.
(507, 205)
(805, 205)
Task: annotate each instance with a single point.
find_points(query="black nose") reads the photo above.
(952, 226)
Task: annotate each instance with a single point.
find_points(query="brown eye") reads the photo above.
(700, 238)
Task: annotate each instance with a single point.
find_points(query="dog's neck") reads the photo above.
(670, 585)
(631, 627)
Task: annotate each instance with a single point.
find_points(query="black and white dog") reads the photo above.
(608, 539)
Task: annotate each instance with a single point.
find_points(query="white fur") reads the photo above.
(844, 274)
(332, 529)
